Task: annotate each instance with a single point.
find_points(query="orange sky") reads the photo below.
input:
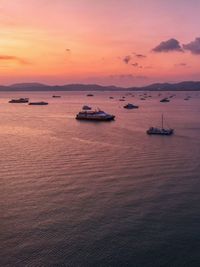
(93, 41)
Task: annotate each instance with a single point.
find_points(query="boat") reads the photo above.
(41, 103)
(56, 96)
(164, 100)
(86, 108)
(90, 95)
(96, 115)
(160, 131)
(19, 100)
(187, 98)
(121, 99)
(130, 106)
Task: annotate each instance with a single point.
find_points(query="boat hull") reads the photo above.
(88, 118)
(38, 104)
(170, 132)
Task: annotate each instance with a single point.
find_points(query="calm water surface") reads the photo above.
(99, 194)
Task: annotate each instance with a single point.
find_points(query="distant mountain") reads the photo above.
(27, 85)
(67, 87)
(182, 86)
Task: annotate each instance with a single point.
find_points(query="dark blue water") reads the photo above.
(99, 194)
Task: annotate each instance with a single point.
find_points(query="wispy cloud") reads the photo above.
(193, 47)
(182, 64)
(128, 76)
(127, 59)
(140, 55)
(14, 58)
(168, 46)
(135, 64)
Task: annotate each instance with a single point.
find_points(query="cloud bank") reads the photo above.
(193, 47)
(168, 46)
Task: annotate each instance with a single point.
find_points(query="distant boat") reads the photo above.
(130, 106)
(41, 103)
(142, 98)
(56, 96)
(86, 108)
(98, 115)
(111, 97)
(121, 99)
(19, 100)
(187, 98)
(164, 100)
(90, 95)
(160, 131)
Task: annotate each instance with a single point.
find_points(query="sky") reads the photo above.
(109, 42)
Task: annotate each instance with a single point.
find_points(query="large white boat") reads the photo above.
(160, 131)
(96, 115)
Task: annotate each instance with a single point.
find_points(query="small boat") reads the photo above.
(56, 96)
(160, 131)
(187, 98)
(86, 108)
(164, 100)
(130, 106)
(19, 100)
(41, 103)
(111, 97)
(121, 99)
(97, 115)
(90, 95)
(142, 98)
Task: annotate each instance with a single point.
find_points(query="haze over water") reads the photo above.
(99, 194)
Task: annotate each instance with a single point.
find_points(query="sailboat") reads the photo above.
(160, 131)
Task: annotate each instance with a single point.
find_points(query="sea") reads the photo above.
(82, 193)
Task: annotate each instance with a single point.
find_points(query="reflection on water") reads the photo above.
(99, 194)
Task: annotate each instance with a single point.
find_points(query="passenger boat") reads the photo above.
(97, 115)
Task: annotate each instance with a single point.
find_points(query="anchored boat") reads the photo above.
(86, 107)
(97, 115)
(19, 100)
(42, 103)
(130, 106)
(160, 131)
(164, 100)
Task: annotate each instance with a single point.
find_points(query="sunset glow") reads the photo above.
(105, 42)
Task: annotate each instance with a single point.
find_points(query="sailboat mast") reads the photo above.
(162, 121)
